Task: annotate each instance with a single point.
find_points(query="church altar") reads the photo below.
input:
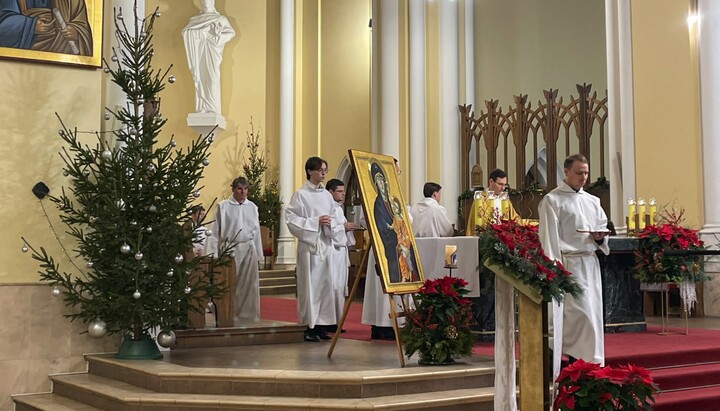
(622, 297)
(432, 257)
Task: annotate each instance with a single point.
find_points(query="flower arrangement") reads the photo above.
(584, 386)
(517, 247)
(439, 327)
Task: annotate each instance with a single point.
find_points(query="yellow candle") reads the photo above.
(641, 213)
(631, 215)
(652, 210)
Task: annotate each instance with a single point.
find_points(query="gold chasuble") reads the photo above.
(488, 209)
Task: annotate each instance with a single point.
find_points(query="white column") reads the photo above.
(709, 56)
(286, 242)
(115, 98)
(416, 23)
(469, 53)
(449, 98)
(709, 45)
(389, 125)
(375, 77)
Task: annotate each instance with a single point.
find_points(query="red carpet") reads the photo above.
(686, 367)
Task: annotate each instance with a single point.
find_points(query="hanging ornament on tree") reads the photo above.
(138, 256)
(205, 162)
(133, 223)
(179, 258)
(188, 289)
(173, 143)
(170, 272)
(121, 204)
(89, 264)
(148, 229)
(97, 328)
(66, 173)
(125, 248)
(211, 138)
(151, 168)
(152, 208)
(106, 154)
(166, 339)
(171, 79)
(106, 70)
(137, 295)
(208, 232)
(92, 219)
(196, 193)
(24, 249)
(157, 14)
(56, 291)
(107, 115)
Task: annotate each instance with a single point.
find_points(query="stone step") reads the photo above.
(161, 376)
(276, 273)
(277, 281)
(278, 289)
(104, 393)
(49, 402)
(263, 332)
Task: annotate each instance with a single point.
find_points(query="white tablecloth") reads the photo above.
(431, 251)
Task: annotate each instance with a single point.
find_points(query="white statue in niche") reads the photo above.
(205, 36)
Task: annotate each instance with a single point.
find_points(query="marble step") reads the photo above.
(108, 394)
(50, 401)
(276, 273)
(275, 281)
(263, 332)
(161, 376)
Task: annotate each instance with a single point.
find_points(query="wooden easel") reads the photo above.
(394, 315)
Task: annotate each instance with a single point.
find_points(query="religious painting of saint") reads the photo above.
(388, 222)
(56, 31)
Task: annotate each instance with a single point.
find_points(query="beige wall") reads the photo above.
(666, 107)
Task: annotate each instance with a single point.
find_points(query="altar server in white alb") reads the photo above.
(429, 217)
(309, 218)
(342, 238)
(572, 228)
(237, 222)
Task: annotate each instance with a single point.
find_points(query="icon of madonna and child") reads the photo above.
(393, 229)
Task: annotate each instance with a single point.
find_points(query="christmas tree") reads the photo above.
(127, 208)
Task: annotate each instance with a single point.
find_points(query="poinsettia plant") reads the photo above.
(439, 327)
(584, 386)
(653, 265)
(518, 248)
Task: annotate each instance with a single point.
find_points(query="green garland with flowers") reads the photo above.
(517, 248)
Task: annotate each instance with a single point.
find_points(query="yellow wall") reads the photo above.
(32, 93)
(666, 106)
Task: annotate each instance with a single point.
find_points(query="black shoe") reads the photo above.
(382, 333)
(323, 335)
(342, 331)
(310, 337)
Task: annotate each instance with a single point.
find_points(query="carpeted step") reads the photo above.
(699, 399)
(667, 356)
(49, 402)
(687, 376)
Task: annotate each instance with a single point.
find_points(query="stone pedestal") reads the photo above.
(204, 123)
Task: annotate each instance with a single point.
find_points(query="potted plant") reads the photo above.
(584, 386)
(439, 327)
(654, 265)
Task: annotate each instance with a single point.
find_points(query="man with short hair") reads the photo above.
(309, 219)
(429, 217)
(342, 238)
(237, 222)
(572, 228)
(495, 203)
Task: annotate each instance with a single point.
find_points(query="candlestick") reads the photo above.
(652, 210)
(641, 213)
(631, 215)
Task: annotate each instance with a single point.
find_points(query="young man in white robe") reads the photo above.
(572, 228)
(429, 217)
(342, 238)
(309, 219)
(237, 222)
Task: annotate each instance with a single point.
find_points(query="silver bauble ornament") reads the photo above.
(170, 272)
(56, 291)
(125, 248)
(166, 339)
(66, 173)
(196, 193)
(173, 143)
(132, 131)
(120, 204)
(171, 79)
(133, 223)
(61, 132)
(106, 70)
(148, 230)
(89, 264)
(107, 116)
(97, 328)
(179, 258)
(157, 13)
(138, 256)
(205, 162)
(92, 219)
(208, 233)
(151, 167)
(137, 295)
(106, 154)
(114, 59)
(24, 249)
(152, 208)
(120, 16)
(188, 289)
(211, 138)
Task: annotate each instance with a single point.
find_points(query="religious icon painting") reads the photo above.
(55, 31)
(388, 222)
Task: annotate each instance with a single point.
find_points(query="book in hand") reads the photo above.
(599, 230)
